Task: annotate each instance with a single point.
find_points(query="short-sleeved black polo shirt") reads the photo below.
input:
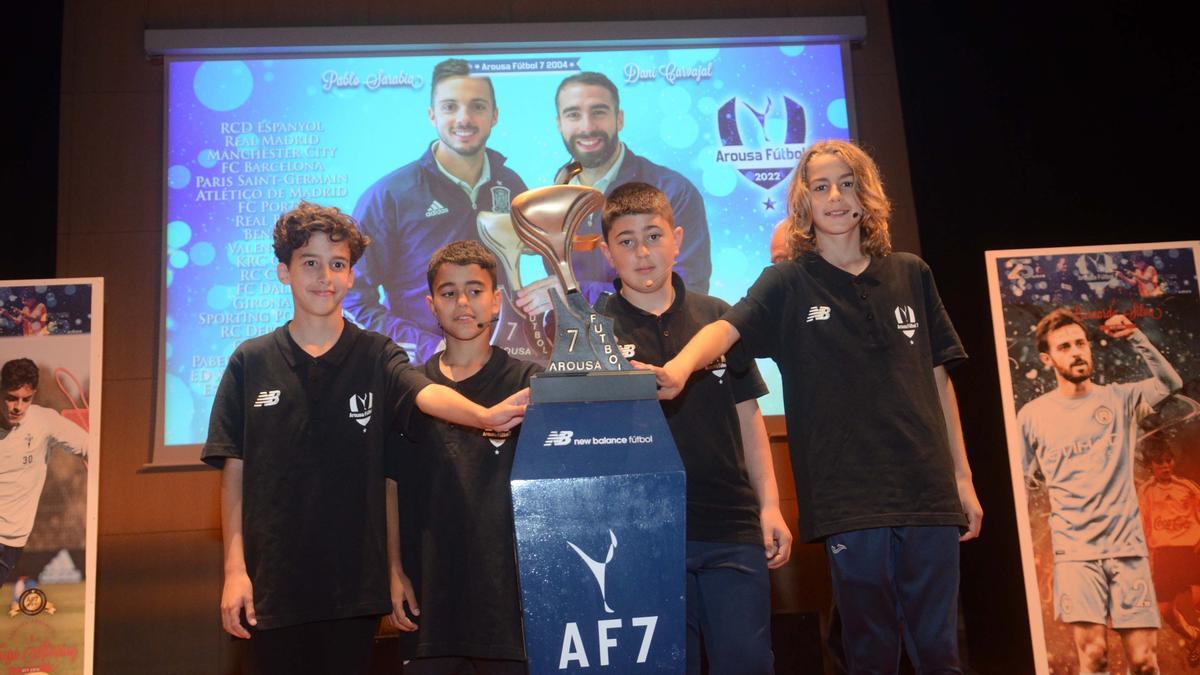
(721, 504)
(457, 521)
(310, 431)
(865, 425)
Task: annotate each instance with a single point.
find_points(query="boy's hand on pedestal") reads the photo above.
(508, 413)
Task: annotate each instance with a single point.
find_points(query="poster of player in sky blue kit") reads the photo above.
(1099, 359)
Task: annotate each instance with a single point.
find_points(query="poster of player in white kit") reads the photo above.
(1099, 360)
(50, 354)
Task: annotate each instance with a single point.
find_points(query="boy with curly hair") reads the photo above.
(298, 429)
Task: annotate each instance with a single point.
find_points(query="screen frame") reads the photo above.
(345, 41)
(385, 40)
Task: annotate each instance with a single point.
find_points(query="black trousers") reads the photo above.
(339, 647)
(457, 665)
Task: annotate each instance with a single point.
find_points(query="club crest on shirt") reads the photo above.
(1103, 415)
(361, 406)
(501, 199)
(717, 367)
(495, 437)
(906, 321)
(28, 440)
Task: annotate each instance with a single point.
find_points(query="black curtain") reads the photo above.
(32, 63)
(1034, 125)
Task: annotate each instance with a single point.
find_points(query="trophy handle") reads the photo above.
(547, 218)
(497, 233)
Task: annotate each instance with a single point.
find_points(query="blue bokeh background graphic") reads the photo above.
(248, 138)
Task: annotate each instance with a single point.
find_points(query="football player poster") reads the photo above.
(1099, 360)
(50, 353)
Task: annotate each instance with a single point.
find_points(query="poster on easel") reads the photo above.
(1098, 349)
(50, 372)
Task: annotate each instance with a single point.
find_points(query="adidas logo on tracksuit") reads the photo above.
(435, 209)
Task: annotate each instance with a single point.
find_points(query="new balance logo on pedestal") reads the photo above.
(817, 313)
(435, 209)
(558, 438)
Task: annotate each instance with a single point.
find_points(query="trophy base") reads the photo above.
(600, 385)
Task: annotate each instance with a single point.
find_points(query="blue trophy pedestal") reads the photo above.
(598, 501)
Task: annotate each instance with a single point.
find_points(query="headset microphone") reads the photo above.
(495, 319)
(856, 215)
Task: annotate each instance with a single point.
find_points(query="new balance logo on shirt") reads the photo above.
(266, 398)
(818, 313)
(435, 209)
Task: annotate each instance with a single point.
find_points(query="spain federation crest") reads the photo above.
(768, 152)
(501, 199)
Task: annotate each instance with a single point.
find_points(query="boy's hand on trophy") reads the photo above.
(534, 299)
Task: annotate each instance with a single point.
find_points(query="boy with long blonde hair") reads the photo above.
(862, 342)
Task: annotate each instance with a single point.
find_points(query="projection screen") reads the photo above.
(260, 119)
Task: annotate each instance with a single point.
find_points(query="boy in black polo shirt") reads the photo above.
(862, 341)
(732, 499)
(457, 505)
(298, 428)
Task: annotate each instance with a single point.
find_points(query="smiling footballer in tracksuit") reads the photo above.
(590, 119)
(424, 205)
